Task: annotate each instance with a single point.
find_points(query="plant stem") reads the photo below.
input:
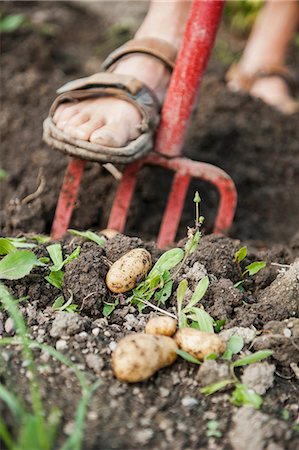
(151, 305)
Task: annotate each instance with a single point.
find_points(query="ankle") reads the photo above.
(147, 69)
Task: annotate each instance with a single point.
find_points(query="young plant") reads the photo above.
(61, 305)
(90, 236)
(190, 315)
(56, 273)
(249, 270)
(16, 263)
(33, 427)
(158, 284)
(242, 394)
(212, 429)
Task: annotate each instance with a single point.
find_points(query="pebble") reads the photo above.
(94, 362)
(96, 331)
(112, 345)
(81, 337)
(189, 401)
(68, 428)
(164, 392)
(287, 332)
(143, 436)
(9, 325)
(61, 344)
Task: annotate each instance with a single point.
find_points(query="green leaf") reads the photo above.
(39, 238)
(241, 254)
(3, 173)
(240, 286)
(214, 387)
(21, 242)
(211, 356)
(109, 308)
(204, 320)
(55, 252)
(11, 23)
(17, 264)
(213, 429)
(90, 235)
(234, 346)
(72, 256)
(188, 357)
(55, 278)
(163, 295)
(253, 358)
(254, 267)
(192, 244)
(58, 302)
(242, 395)
(219, 324)
(181, 291)
(199, 292)
(167, 261)
(6, 246)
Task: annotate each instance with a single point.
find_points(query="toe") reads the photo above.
(84, 130)
(66, 115)
(59, 111)
(111, 135)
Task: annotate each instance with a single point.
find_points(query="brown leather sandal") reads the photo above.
(238, 82)
(124, 87)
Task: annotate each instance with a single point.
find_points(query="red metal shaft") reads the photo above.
(67, 197)
(191, 62)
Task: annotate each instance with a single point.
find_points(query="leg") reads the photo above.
(267, 46)
(114, 122)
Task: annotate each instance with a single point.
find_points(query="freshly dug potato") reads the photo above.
(161, 325)
(138, 356)
(199, 343)
(109, 233)
(128, 270)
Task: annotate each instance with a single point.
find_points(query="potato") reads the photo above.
(138, 356)
(199, 343)
(109, 233)
(161, 325)
(128, 270)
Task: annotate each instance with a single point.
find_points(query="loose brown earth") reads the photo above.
(259, 149)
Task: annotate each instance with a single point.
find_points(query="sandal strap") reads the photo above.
(120, 86)
(156, 47)
(245, 82)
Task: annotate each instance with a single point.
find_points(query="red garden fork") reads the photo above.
(191, 62)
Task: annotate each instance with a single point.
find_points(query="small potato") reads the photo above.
(128, 270)
(109, 233)
(138, 356)
(161, 325)
(199, 343)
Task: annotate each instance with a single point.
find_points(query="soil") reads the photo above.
(256, 145)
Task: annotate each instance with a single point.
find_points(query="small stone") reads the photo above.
(112, 345)
(68, 428)
(287, 332)
(143, 436)
(61, 344)
(92, 415)
(96, 331)
(81, 337)
(94, 362)
(164, 392)
(189, 401)
(9, 325)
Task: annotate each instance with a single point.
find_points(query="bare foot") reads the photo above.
(275, 92)
(111, 121)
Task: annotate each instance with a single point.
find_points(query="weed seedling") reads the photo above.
(249, 270)
(242, 394)
(212, 429)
